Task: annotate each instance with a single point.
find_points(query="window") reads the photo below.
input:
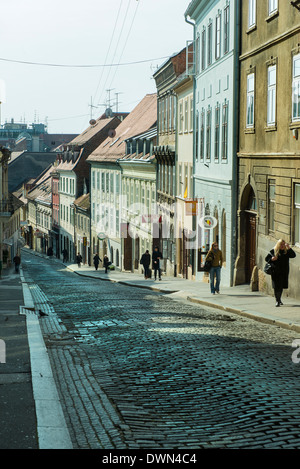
(202, 135)
(191, 113)
(197, 52)
(217, 132)
(226, 29)
(297, 214)
(203, 57)
(250, 100)
(186, 118)
(103, 181)
(273, 6)
(209, 44)
(296, 87)
(180, 116)
(163, 115)
(170, 111)
(252, 13)
(208, 134)
(98, 180)
(197, 136)
(271, 206)
(225, 131)
(218, 37)
(271, 111)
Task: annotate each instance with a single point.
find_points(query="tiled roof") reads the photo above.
(92, 130)
(83, 202)
(142, 118)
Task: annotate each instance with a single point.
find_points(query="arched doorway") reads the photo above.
(250, 235)
(247, 241)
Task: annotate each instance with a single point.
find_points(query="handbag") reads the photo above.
(269, 268)
(207, 266)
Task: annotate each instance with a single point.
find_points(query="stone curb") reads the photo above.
(51, 426)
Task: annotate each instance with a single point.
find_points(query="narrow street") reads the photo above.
(137, 369)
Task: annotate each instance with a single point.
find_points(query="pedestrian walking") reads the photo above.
(156, 257)
(65, 255)
(106, 263)
(96, 261)
(79, 259)
(280, 257)
(145, 262)
(17, 262)
(215, 256)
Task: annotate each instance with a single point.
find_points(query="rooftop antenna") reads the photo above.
(92, 106)
(117, 101)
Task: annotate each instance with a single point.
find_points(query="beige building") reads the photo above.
(269, 163)
(184, 180)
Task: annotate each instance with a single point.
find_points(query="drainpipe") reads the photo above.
(235, 165)
(195, 257)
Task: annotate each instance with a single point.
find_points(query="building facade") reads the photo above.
(109, 225)
(185, 250)
(165, 152)
(138, 169)
(216, 52)
(269, 165)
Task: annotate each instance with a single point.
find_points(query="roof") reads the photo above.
(43, 192)
(92, 130)
(83, 202)
(142, 118)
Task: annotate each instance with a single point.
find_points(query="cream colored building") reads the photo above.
(139, 190)
(184, 181)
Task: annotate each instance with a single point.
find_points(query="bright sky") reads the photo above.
(89, 32)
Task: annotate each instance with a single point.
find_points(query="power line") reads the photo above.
(81, 66)
(108, 50)
(125, 43)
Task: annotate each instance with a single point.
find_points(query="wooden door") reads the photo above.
(250, 254)
(128, 252)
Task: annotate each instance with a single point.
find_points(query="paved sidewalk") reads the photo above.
(239, 300)
(18, 429)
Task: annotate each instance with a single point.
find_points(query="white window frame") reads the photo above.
(273, 6)
(296, 88)
(296, 217)
(252, 13)
(250, 101)
(218, 37)
(271, 100)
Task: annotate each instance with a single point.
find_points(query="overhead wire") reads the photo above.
(125, 43)
(108, 50)
(116, 47)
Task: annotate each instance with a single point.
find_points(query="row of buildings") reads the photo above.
(217, 142)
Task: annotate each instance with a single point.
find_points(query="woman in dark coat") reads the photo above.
(96, 261)
(280, 257)
(106, 263)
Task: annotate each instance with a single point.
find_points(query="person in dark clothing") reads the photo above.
(280, 257)
(156, 257)
(145, 262)
(79, 259)
(106, 263)
(65, 255)
(96, 261)
(17, 262)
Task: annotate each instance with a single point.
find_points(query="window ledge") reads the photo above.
(272, 15)
(251, 29)
(250, 130)
(295, 125)
(271, 128)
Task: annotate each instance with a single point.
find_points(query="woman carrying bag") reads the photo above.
(214, 256)
(280, 257)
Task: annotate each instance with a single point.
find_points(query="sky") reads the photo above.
(98, 36)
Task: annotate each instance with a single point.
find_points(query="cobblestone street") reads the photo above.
(137, 369)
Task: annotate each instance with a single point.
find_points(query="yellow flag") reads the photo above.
(185, 193)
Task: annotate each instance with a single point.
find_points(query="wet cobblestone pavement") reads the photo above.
(137, 369)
